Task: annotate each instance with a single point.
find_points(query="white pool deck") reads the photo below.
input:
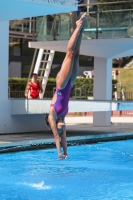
(78, 129)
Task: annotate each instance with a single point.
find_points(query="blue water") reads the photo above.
(101, 171)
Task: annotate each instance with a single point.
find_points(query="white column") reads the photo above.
(102, 88)
(4, 59)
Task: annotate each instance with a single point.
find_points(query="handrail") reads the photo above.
(21, 33)
(108, 11)
(105, 29)
(105, 3)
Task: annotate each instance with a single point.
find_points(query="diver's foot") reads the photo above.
(81, 22)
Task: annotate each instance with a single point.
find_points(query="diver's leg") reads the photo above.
(76, 58)
(67, 66)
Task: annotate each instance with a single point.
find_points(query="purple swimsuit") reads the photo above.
(61, 104)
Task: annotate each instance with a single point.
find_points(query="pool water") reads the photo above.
(102, 171)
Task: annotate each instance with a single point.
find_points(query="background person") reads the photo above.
(33, 88)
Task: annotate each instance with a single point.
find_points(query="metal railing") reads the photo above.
(23, 28)
(84, 91)
(104, 20)
(17, 90)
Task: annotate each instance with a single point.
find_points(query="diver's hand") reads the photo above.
(61, 156)
(65, 156)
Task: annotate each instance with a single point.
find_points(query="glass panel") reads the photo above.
(103, 21)
(110, 25)
(57, 28)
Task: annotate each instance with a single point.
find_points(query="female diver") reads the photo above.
(64, 82)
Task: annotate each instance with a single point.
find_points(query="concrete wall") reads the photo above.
(8, 123)
(28, 115)
(15, 69)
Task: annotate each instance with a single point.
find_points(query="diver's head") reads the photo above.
(60, 126)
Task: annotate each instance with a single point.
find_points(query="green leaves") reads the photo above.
(85, 85)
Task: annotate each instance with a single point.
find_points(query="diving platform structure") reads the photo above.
(29, 106)
(22, 115)
(31, 112)
(19, 9)
(102, 48)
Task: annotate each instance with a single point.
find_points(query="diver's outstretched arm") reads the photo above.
(64, 142)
